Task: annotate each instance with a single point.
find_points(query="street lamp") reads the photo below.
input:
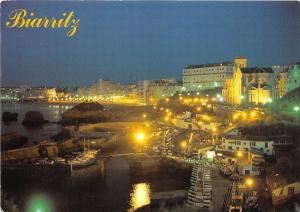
(235, 117)
(244, 115)
(144, 116)
(183, 146)
(140, 137)
(239, 154)
(249, 182)
(213, 135)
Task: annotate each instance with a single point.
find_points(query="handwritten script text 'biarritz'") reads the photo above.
(19, 18)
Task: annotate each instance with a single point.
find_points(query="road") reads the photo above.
(219, 186)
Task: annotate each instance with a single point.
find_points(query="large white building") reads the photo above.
(206, 76)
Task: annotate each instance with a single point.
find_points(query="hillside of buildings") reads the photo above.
(285, 105)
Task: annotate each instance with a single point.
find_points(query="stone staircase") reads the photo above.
(200, 192)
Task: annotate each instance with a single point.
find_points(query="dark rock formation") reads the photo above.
(62, 135)
(8, 117)
(33, 119)
(91, 112)
(86, 107)
(12, 140)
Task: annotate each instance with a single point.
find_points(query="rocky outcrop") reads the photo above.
(63, 135)
(91, 112)
(30, 154)
(9, 117)
(33, 119)
(90, 106)
(12, 140)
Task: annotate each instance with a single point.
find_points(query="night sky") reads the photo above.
(130, 41)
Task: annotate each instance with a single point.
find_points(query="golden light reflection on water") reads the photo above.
(140, 196)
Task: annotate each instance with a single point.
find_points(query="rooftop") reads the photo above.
(257, 70)
(208, 65)
(240, 57)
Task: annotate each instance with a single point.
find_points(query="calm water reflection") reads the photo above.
(140, 196)
(51, 112)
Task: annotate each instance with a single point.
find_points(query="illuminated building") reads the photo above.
(234, 143)
(106, 88)
(131, 91)
(206, 76)
(142, 90)
(249, 85)
(83, 92)
(259, 94)
(159, 89)
(12, 93)
(283, 78)
(151, 91)
(50, 93)
(36, 93)
(281, 72)
(258, 84)
(102, 89)
(231, 92)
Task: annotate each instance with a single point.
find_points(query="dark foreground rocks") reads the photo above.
(12, 140)
(63, 135)
(8, 117)
(33, 119)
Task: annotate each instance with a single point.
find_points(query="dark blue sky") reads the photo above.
(130, 41)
